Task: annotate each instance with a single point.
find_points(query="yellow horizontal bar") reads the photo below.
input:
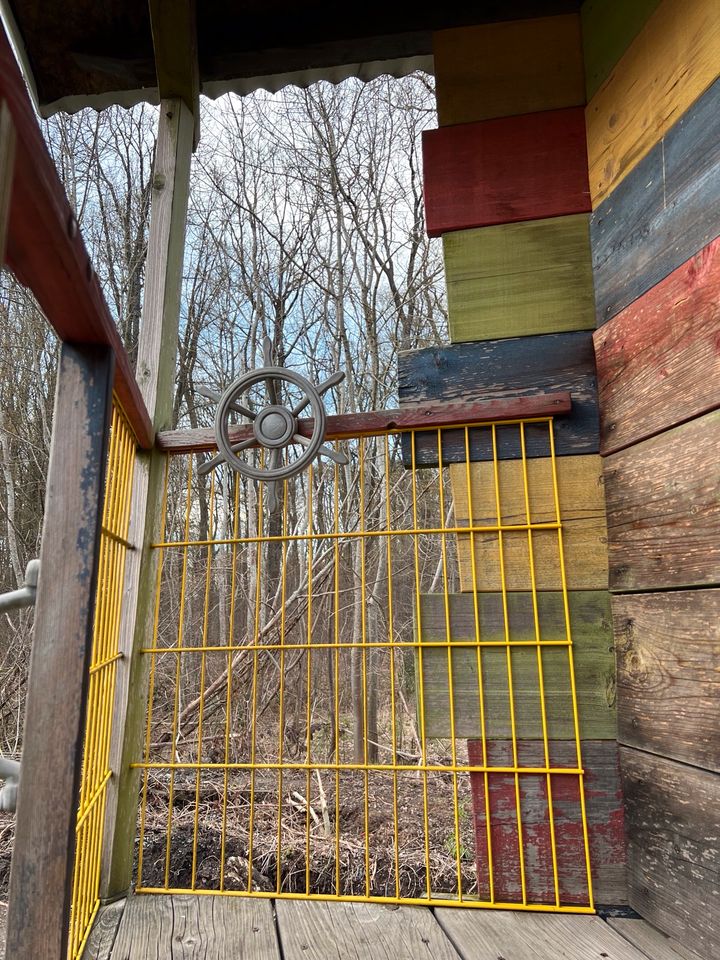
(97, 793)
(117, 538)
(105, 663)
(350, 767)
(359, 535)
(350, 898)
(392, 644)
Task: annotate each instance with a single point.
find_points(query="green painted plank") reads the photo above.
(518, 279)
(594, 662)
(608, 29)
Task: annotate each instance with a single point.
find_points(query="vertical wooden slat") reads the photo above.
(7, 165)
(40, 881)
(157, 354)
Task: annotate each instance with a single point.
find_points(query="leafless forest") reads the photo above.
(305, 225)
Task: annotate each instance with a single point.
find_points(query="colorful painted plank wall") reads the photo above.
(506, 187)
(653, 130)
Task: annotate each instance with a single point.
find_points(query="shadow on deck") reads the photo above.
(165, 927)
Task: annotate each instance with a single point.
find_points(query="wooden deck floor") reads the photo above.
(231, 928)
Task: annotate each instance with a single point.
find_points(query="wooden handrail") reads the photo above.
(46, 251)
(346, 426)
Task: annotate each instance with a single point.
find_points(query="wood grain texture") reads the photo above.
(533, 936)
(655, 944)
(582, 512)
(663, 212)
(658, 360)
(608, 29)
(668, 651)
(156, 375)
(191, 927)
(509, 68)
(604, 811)
(43, 856)
(593, 656)
(673, 867)
(519, 279)
(663, 509)
(377, 422)
(497, 368)
(7, 170)
(669, 64)
(505, 170)
(103, 935)
(316, 931)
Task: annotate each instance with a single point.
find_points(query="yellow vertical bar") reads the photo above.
(281, 713)
(478, 660)
(203, 656)
(256, 653)
(508, 656)
(541, 678)
(151, 683)
(363, 636)
(571, 665)
(336, 627)
(391, 651)
(448, 640)
(178, 657)
(230, 658)
(421, 679)
(308, 716)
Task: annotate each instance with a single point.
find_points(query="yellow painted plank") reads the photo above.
(671, 62)
(518, 279)
(582, 503)
(509, 68)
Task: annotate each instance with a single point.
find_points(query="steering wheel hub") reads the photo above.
(274, 426)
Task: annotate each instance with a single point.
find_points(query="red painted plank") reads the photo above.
(506, 170)
(47, 253)
(346, 426)
(603, 799)
(658, 360)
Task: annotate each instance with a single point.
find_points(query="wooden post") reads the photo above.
(157, 356)
(41, 875)
(7, 165)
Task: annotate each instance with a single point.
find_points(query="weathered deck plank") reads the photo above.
(195, 927)
(104, 932)
(359, 931)
(655, 944)
(518, 935)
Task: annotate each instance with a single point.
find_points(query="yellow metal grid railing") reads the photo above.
(294, 675)
(101, 685)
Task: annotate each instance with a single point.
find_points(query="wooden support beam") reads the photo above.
(157, 356)
(46, 251)
(174, 32)
(40, 882)
(7, 167)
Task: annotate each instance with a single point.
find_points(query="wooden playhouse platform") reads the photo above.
(234, 928)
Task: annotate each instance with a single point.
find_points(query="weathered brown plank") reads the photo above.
(650, 88)
(604, 811)
(673, 867)
(582, 512)
(194, 927)
(593, 656)
(519, 279)
(663, 509)
(532, 936)
(505, 69)
(655, 944)
(102, 938)
(156, 375)
(41, 875)
(668, 650)
(344, 426)
(658, 362)
(467, 372)
(364, 931)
